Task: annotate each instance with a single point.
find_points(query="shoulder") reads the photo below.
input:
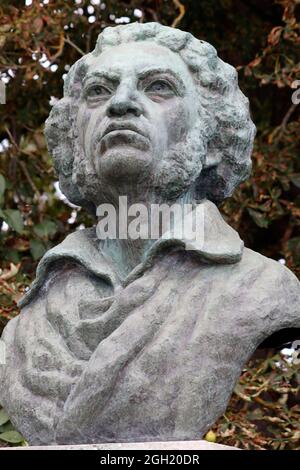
(268, 268)
(276, 286)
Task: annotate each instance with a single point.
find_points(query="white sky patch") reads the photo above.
(282, 261)
(95, 2)
(36, 77)
(287, 351)
(73, 217)
(11, 73)
(79, 11)
(46, 64)
(54, 67)
(137, 13)
(44, 61)
(122, 19)
(28, 3)
(90, 9)
(4, 145)
(92, 19)
(5, 78)
(289, 354)
(4, 227)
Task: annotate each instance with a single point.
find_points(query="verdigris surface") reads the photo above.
(132, 340)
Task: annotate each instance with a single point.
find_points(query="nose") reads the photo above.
(124, 102)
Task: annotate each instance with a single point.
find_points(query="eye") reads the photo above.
(97, 91)
(160, 87)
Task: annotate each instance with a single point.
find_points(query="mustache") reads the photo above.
(119, 125)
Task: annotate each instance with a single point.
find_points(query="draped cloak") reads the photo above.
(94, 357)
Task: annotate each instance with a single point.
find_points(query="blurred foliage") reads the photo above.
(264, 411)
(8, 435)
(39, 42)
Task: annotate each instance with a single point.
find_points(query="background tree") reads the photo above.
(39, 40)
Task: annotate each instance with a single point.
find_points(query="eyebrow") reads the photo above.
(158, 70)
(115, 76)
(102, 74)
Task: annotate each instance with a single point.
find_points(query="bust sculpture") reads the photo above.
(142, 339)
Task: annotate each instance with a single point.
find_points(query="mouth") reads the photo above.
(122, 128)
(123, 138)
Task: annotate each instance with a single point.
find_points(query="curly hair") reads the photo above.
(224, 108)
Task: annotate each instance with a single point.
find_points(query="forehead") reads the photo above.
(133, 58)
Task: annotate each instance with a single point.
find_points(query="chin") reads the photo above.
(124, 162)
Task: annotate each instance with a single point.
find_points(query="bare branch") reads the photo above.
(181, 8)
(71, 43)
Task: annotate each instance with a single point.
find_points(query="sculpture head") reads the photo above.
(153, 107)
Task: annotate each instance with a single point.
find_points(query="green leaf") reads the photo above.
(294, 246)
(45, 229)
(37, 249)
(296, 179)
(14, 219)
(275, 193)
(259, 218)
(3, 417)
(2, 185)
(7, 427)
(14, 437)
(12, 255)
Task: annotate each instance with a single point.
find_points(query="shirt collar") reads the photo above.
(218, 243)
(215, 241)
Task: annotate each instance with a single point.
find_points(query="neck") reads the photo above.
(137, 226)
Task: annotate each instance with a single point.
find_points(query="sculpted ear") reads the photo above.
(213, 158)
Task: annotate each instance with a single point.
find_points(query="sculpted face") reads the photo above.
(138, 101)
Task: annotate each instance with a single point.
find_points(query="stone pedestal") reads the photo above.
(167, 445)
